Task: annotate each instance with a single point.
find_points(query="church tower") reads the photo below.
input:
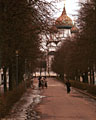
(63, 27)
(60, 30)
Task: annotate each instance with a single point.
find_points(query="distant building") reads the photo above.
(63, 27)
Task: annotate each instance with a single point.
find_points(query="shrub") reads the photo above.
(84, 86)
(8, 99)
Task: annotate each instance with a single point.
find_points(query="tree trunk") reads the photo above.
(93, 76)
(5, 80)
(90, 76)
(10, 78)
(86, 77)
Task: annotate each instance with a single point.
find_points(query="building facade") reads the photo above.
(63, 27)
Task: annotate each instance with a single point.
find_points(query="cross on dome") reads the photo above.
(64, 2)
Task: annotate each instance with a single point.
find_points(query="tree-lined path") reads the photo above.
(58, 105)
(53, 103)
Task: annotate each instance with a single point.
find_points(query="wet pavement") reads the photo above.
(24, 109)
(53, 103)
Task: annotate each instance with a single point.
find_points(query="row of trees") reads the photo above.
(21, 22)
(77, 55)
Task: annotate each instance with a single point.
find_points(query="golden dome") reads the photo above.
(64, 21)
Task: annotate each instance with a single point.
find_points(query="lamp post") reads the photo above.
(25, 77)
(25, 67)
(40, 67)
(17, 55)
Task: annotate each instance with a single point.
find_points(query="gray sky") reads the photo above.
(72, 6)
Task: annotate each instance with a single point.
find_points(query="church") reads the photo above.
(63, 27)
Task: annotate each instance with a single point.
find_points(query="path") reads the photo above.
(24, 108)
(58, 105)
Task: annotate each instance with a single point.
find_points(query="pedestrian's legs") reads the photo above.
(68, 89)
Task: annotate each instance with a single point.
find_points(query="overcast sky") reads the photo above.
(72, 6)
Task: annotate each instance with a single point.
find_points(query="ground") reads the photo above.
(54, 103)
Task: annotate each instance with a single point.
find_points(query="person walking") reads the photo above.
(46, 84)
(68, 85)
(42, 82)
(39, 83)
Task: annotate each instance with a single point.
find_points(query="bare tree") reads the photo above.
(20, 25)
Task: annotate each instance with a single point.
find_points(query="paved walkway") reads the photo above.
(58, 105)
